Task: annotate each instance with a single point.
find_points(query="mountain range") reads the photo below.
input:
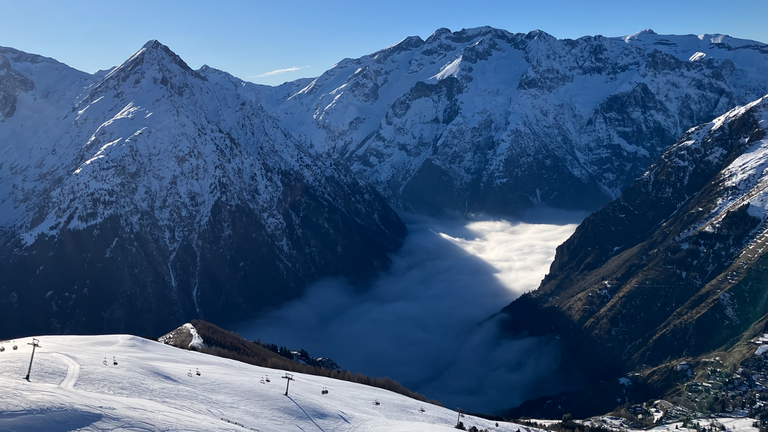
(484, 120)
(143, 196)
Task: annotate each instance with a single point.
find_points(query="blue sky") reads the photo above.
(304, 38)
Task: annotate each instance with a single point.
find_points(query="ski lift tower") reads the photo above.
(35, 343)
(288, 377)
(458, 418)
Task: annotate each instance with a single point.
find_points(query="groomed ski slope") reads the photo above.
(72, 389)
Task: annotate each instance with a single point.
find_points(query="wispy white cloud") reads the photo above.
(280, 71)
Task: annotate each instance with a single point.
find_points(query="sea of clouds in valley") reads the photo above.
(428, 321)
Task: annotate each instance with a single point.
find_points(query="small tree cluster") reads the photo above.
(567, 424)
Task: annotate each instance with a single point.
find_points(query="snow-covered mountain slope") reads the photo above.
(483, 119)
(75, 386)
(36, 93)
(676, 267)
(150, 195)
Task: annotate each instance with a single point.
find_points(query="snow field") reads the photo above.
(71, 388)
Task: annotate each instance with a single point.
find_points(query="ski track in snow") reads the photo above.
(73, 371)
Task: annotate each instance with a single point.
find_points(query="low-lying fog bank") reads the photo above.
(426, 322)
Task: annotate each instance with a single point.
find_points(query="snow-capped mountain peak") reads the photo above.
(638, 35)
(155, 63)
(158, 167)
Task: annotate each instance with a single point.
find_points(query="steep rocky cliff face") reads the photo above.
(675, 267)
(151, 195)
(487, 120)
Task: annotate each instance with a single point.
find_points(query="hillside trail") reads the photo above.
(73, 371)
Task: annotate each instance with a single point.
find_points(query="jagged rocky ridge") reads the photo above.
(487, 120)
(136, 199)
(674, 268)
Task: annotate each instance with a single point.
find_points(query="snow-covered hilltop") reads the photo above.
(487, 120)
(149, 195)
(74, 385)
(117, 382)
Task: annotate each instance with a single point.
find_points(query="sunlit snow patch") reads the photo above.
(197, 341)
(451, 69)
(697, 56)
